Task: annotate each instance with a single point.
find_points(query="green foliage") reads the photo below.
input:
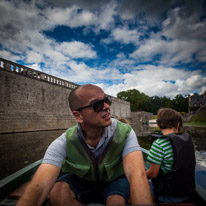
(159, 102)
(195, 124)
(154, 117)
(180, 103)
(199, 116)
(138, 101)
(193, 109)
(141, 102)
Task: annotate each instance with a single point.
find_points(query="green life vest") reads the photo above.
(81, 162)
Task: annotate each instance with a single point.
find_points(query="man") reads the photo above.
(96, 155)
(172, 160)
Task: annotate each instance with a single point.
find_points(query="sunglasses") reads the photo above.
(98, 105)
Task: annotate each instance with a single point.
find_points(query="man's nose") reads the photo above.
(106, 106)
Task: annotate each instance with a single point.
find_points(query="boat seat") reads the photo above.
(176, 204)
(16, 194)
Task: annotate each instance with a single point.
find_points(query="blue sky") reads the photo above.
(157, 47)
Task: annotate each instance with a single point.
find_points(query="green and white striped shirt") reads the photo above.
(161, 153)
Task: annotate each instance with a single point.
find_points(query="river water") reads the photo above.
(18, 150)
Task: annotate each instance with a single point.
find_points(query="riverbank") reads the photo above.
(195, 124)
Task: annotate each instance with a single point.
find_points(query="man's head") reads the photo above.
(168, 118)
(75, 101)
(89, 105)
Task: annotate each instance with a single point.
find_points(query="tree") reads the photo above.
(138, 101)
(159, 102)
(141, 102)
(156, 104)
(180, 103)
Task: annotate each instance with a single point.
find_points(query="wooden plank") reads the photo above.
(16, 194)
(176, 204)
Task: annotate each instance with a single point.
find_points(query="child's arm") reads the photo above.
(153, 171)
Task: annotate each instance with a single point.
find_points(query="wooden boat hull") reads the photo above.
(15, 180)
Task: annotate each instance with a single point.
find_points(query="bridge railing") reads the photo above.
(26, 71)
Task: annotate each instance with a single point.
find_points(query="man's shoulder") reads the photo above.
(72, 128)
(113, 125)
(110, 129)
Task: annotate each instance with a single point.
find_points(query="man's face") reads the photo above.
(88, 116)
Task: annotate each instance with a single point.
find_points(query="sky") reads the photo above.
(157, 47)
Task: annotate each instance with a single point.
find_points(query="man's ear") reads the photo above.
(77, 116)
(178, 126)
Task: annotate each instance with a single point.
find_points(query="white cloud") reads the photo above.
(180, 26)
(188, 31)
(160, 81)
(24, 39)
(195, 81)
(55, 56)
(108, 74)
(112, 89)
(152, 9)
(72, 17)
(170, 52)
(35, 66)
(76, 16)
(106, 16)
(203, 89)
(182, 36)
(78, 50)
(34, 57)
(8, 55)
(180, 39)
(126, 35)
(80, 72)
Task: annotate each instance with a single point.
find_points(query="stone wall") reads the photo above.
(34, 101)
(120, 108)
(141, 116)
(30, 105)
(140, 123)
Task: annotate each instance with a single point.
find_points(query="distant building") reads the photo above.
(197, 101)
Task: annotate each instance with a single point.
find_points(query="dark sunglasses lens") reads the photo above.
(98, 106)
(108, 100)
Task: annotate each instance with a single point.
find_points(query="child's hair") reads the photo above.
(124, 120)
(168, 118)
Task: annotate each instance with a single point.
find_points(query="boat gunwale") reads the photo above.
(13, 181)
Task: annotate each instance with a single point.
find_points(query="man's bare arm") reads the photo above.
(153, 171)
(140, 193)
(40, 186)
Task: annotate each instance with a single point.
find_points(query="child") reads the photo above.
(126, 121)
(172, 160)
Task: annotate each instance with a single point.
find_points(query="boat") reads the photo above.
(12, 187)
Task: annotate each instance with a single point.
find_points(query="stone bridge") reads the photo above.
(31, 100)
